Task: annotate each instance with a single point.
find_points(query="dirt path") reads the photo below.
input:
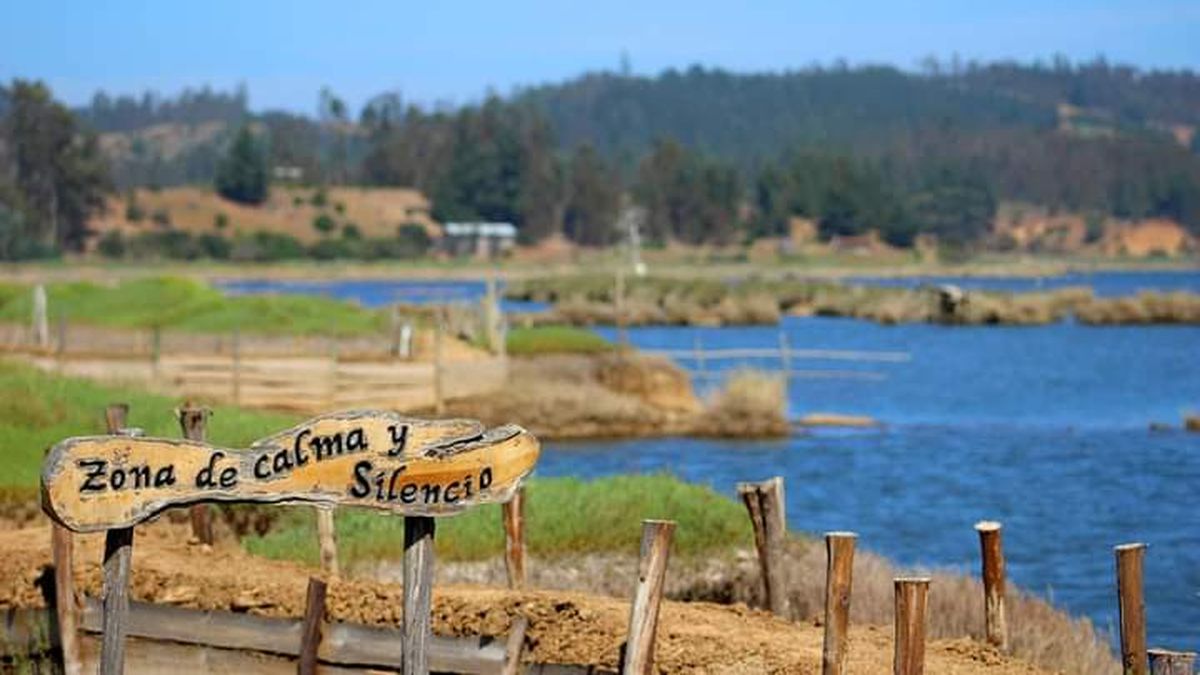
(565, 627)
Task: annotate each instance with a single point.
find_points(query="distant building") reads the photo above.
(478, 240)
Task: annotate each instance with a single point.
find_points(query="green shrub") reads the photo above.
(111, 244)
(220, 221)
(264, 246)
(323, 223)
(320, 198)
(161, 217)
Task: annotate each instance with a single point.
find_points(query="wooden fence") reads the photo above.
(298, 373)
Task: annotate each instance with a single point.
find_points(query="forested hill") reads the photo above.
(746, 117)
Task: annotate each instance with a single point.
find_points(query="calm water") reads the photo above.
(378, 292)
(1044, 428)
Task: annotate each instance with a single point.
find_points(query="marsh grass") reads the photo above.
(194, 306)
(563, 516)
(555, 340)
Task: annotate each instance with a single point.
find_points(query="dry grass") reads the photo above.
(1143, 308)
(751, 403)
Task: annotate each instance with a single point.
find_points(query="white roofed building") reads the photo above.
(478, 240)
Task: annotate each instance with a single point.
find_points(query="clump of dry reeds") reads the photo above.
(1147, 307)
(751, 403)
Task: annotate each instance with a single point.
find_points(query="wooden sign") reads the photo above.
(359, 458)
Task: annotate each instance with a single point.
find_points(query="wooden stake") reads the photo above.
(911, 600)
(327, 540)
(619, 307)
(1164, 662)
(66, 609)
(515, 646)
(839, 551)
(193, 421)
(1132, 607)
(418, 593)
(310, 630)
(439, 401)
(512, 513)
(643, 614)
(155, 352)
(236, 369)
(995, 624)
(118, 557)
(765, 503)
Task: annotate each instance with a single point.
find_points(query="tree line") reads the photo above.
(708, 155)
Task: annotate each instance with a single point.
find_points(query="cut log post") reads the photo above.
(995, 623)
(1165, 662)
(1132, 606)
(439, 398)
(418, 593)
(765, 503)
(118, 557)
(327, 540)
(911, 601)
(193, 422)
(839, 551)
(66, 609)
(515, 646)
(310, 629)
(643, 614)
(513, 514)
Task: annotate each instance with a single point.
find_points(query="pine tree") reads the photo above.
(242, 174)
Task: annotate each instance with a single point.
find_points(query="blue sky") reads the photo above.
(454, 51)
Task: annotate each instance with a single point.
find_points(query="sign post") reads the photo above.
(420, 469)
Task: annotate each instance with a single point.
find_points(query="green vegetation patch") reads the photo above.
(555, 340)
(191, 305)
(563, 516)
(39, 409)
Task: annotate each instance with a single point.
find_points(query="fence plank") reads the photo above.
(118, 557)
(515, 646)
(643, 613)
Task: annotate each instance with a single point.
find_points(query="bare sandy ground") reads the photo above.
(564, 627)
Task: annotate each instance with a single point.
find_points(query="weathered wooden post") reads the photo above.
(619, 307)
(439, 398)
(235, 353)
(155, 352)
(995, 624)
(764, 501)
(839, 569)
(41, 321)
(310, 629)
(118, 557)
(911, 601)
(327, 540)
(1166, 662)
(1132, 606)
(66, 609)
(515, 646)
(418, 592)
(512, 513)
(193, 421)
(643, 613)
